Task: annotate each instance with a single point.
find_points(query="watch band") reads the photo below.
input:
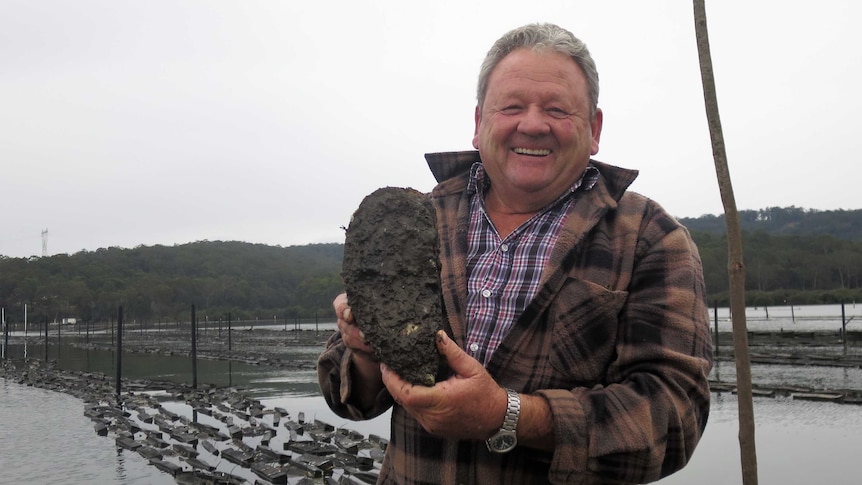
(513, 411)
(506, 438)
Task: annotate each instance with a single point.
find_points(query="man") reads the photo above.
(580, 306)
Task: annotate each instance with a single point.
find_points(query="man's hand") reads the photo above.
(351, 335)
(468, 405)
(366, 368)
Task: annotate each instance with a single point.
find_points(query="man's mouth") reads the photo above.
(532, 152)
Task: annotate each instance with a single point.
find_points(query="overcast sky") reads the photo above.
(127, 123)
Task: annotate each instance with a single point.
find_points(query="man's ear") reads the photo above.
(478, 119)
(596, 127)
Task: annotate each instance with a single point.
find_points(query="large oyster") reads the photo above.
(391, 274)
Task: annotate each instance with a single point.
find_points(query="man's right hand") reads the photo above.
(351, 335)
(365, 373)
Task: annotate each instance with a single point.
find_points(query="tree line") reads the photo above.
(247, 281)
(791, 255)
(784, 264)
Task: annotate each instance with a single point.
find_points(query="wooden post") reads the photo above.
(194, 351)
(46, 339)
(715, 318)
(843, 328)
(119, 349)
(5, 331)
(229, 354)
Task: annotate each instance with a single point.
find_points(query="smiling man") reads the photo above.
(577, 337)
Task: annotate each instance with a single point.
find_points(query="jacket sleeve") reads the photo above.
(336, 383)
(645, 416)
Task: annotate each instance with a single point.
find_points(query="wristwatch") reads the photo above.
(505, 439)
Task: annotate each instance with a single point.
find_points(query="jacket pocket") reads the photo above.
(585, 322)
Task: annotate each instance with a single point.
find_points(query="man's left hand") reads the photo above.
(468, 405)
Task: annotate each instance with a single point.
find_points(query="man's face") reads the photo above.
(534, 131)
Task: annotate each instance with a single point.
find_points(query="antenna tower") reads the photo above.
(44, 242)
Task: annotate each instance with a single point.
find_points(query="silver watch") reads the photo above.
(505, 439)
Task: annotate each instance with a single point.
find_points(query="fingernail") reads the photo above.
(346, 313)
(441, 337)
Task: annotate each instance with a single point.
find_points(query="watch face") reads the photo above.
(502, 442)
(506, 442)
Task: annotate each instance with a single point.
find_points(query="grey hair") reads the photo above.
(537, 37)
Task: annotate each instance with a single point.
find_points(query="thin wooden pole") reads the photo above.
(194, 350)
(715, 319)
(735, 266)
(119, 349)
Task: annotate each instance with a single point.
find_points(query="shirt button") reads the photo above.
(504, 248)
(474, 347)
(486, 293)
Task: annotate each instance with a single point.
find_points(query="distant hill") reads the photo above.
(789, 221)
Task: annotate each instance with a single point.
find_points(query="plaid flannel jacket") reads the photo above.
(617, 341)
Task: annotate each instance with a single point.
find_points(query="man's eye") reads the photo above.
(510, 110)
(558, 112)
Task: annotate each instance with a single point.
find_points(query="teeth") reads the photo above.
(527, 151)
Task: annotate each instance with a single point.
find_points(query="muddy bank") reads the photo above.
(264, 345)
(824, 348)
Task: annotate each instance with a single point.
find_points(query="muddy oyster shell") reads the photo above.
(391, 273)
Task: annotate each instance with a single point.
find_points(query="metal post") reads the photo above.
(194, 351)
(46, 339)
(119, 348)
(229, 348)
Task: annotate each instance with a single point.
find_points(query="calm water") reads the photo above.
(792, 318)
(44, 437)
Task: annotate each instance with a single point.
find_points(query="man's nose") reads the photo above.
(534, 122)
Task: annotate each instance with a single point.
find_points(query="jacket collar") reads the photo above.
(449, 165)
